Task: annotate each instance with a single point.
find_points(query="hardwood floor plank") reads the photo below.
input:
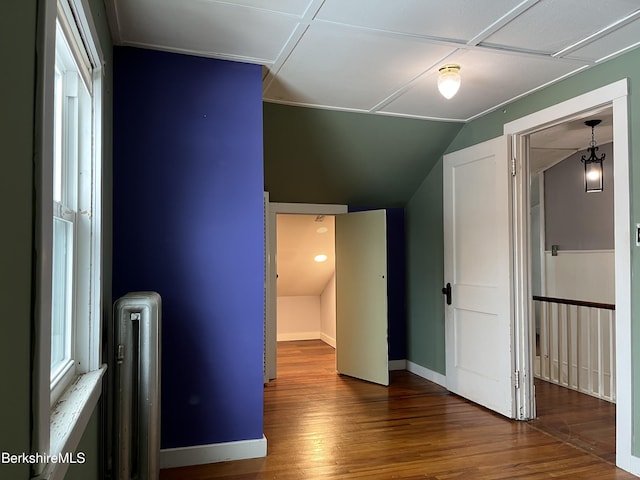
(320, 425)
(578, 419)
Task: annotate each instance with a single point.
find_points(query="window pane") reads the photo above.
(57, 145)
(61, 294)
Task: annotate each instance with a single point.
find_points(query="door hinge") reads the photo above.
(516, 379)
(513, 167)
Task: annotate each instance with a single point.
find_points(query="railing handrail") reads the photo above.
(578, 303)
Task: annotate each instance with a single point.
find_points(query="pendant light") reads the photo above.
(593, 173)
(449, 80)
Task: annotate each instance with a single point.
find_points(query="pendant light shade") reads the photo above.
(449, 80)
(593, 172)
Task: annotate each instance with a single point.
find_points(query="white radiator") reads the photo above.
(137, 409)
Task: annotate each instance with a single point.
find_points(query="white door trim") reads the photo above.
(271, 262)
(614, 94)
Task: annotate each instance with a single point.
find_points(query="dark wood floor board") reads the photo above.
(320, 425)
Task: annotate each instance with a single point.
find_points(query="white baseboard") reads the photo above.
(397, 365)
(213, 453)
(328, 340)
(427, 374)
(289, 337)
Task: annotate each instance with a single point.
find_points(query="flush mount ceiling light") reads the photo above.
(449, 80)
(593, 174)
(320, 258)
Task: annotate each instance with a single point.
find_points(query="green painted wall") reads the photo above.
(17, 52)
(426, 317)
(90, 447)
(322, 156)
(425, 274)
(18, 37)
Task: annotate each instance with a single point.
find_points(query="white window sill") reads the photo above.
(69, 418)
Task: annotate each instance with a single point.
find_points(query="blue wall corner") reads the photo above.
(396, 273)
(188, 223)
(396, 281)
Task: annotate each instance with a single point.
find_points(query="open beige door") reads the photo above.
(361, 296)
(478, 275)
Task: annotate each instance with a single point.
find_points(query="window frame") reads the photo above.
(66, 162)
(61, 414)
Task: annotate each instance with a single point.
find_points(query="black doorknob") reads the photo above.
(447, 291)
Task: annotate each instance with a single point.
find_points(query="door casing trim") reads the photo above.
(614, 94)
(271, 266)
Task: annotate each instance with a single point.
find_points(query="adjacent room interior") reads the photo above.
(572, 274)
(306, 302)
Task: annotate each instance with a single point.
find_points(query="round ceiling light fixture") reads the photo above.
(449, 80)
(320, 258)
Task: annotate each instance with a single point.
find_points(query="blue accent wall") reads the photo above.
(396, 284)
(188, 224)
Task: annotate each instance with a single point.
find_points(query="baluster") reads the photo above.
(568, 311)
(550, 336)
(547, 339)
(544, 339)
(590, 359)
(578, 347)
(600, 356)
(612, 356)
(562, 344)
(557, 340)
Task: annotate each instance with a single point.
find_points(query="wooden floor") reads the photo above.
(320, 425)
(578, 419)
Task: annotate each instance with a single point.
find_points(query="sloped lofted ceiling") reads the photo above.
(378, 57)
(323, 156)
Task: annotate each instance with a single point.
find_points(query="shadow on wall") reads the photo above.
(358, 159)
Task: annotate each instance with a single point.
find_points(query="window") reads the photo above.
(71, 107)
(69, 219)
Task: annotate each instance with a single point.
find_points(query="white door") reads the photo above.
(361, 296)
(477, 251)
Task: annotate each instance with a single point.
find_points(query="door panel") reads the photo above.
(361, 296)
(477, 224)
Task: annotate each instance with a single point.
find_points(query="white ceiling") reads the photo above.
(553, 144)
(382, 56)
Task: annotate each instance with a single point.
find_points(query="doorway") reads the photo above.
(572, 284)
(272, 210)
(614, 95)
(306, 308)
(360, 292)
